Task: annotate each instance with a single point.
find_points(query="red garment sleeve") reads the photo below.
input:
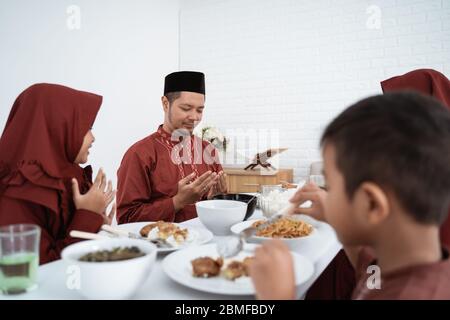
(134, 193)
(445, 232)
(217, 167)
(17, 211)
(214, 165)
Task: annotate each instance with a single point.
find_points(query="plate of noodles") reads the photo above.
(294, 230)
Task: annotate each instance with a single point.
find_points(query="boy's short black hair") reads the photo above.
(401, 141)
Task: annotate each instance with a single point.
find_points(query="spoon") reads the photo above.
(231, 246)
(120, 232)
(86, 235)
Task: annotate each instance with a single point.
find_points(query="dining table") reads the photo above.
(52, 277)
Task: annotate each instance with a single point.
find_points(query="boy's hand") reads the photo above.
(272, 272)
(310, 192)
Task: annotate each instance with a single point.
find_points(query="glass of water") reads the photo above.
(19, 257)
(319, 180)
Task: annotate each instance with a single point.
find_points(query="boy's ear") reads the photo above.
(373, 202)
(165, 103)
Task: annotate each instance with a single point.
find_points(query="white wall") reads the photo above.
(292, 65)
(122, 51)
(289, 65)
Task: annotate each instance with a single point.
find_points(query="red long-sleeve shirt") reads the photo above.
(148, 178)
(54, 234)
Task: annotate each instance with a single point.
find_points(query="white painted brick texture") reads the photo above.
(293, 65)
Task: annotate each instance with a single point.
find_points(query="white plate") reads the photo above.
(293, 243)
(200, 235)
(178, 267)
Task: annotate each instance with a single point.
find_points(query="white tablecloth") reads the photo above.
(52, 276)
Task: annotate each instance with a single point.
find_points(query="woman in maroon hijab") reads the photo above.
(46, 137)
(432, 83)
(427, 81)
(338, 279)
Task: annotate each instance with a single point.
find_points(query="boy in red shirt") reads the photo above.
(386, 162)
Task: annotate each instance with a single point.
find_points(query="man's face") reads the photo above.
(185, 112)
(341, 212)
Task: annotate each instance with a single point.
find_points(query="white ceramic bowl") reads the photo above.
(219, 215)
(109, 280)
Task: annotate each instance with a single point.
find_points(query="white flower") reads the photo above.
(212, 133)
(214, 136)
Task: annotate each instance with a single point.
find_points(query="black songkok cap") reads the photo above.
(190, 81)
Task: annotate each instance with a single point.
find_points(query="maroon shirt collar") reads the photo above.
(168, 136)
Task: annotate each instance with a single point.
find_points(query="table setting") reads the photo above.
(116, 264)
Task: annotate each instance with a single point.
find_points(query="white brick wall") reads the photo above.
(122, 51)
(293, 65)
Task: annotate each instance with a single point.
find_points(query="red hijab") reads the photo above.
(42, 137)
(432, 83)
(426, 81)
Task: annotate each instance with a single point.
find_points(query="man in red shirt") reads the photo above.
(161, 178)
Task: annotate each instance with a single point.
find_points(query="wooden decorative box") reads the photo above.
(240, 180)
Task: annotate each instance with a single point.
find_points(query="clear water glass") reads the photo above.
(19, 258)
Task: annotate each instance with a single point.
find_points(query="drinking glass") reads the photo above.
(19, 257)
(319, 180)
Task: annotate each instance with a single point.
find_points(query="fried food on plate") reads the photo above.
(165, 230)
(206, 267)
